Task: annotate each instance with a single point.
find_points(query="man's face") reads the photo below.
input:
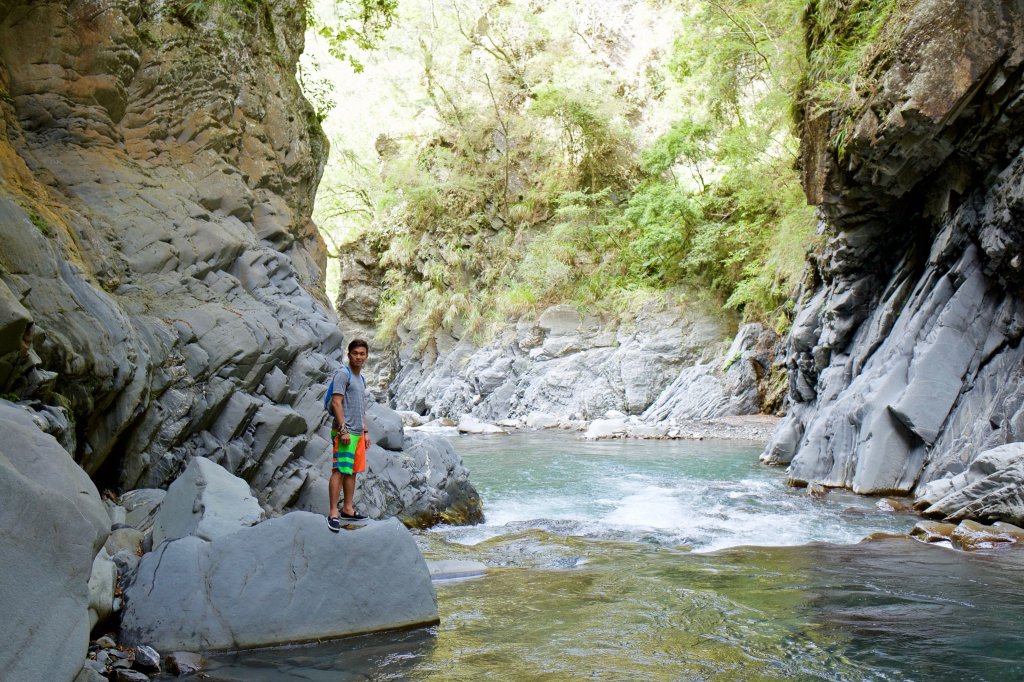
(357, 357)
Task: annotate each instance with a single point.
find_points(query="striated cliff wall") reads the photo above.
(160, 277)
(905, 358)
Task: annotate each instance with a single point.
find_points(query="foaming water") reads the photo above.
(679, 561)
(706, 496)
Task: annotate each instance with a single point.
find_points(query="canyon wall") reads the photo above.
(905, 362)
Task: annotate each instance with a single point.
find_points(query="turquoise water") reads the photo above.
(679, 560)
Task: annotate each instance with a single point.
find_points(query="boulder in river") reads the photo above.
(283, 581)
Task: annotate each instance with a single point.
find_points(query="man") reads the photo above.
(348, 407)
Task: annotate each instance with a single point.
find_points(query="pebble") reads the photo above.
(184, 663)
(123, 675)
(146, 658)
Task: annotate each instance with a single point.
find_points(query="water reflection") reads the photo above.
(387, 656)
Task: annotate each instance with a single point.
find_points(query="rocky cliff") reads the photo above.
(160, 273)
(905, 359)
(161, 291)
(161, 298)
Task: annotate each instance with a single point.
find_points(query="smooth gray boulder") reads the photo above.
(425, 484)
(206, 501)
(284, 581)
(385, 426)
(52, 524)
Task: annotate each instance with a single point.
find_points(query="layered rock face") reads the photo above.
(905, 358)
(665, 365)
(159, 270)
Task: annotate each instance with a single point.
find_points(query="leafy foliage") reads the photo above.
(535, 182)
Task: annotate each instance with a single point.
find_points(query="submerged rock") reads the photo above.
(971, 536)
(933, 531)
(452, 569)
(283, 581)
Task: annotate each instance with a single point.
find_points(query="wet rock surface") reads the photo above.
(905, 357)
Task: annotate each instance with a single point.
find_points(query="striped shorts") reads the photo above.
(348, 459)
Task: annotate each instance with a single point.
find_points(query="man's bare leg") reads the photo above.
(334, 491)
(348, 485)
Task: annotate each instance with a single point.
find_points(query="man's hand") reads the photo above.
(346, 438)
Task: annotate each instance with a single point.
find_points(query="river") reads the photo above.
(679, 560)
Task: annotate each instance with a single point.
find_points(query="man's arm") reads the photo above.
(339, 417)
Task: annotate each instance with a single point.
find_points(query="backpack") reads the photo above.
(330, 388)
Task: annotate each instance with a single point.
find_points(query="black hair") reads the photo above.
(358, 343)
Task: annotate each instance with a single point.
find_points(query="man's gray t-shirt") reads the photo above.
(353, 392)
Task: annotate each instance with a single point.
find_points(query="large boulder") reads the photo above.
(385, 426)
(206, 501)
(287, 580)
(52, 525)
(424, 484)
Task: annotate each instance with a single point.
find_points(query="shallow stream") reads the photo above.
(679, 560)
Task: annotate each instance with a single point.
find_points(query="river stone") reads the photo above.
(146, 658)
(52, 525)
(933, 531)
(971, 535)
(141, 506)
(277, 583)
(205, 501)
(606, 428)
(126, 538)
(183, 663)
